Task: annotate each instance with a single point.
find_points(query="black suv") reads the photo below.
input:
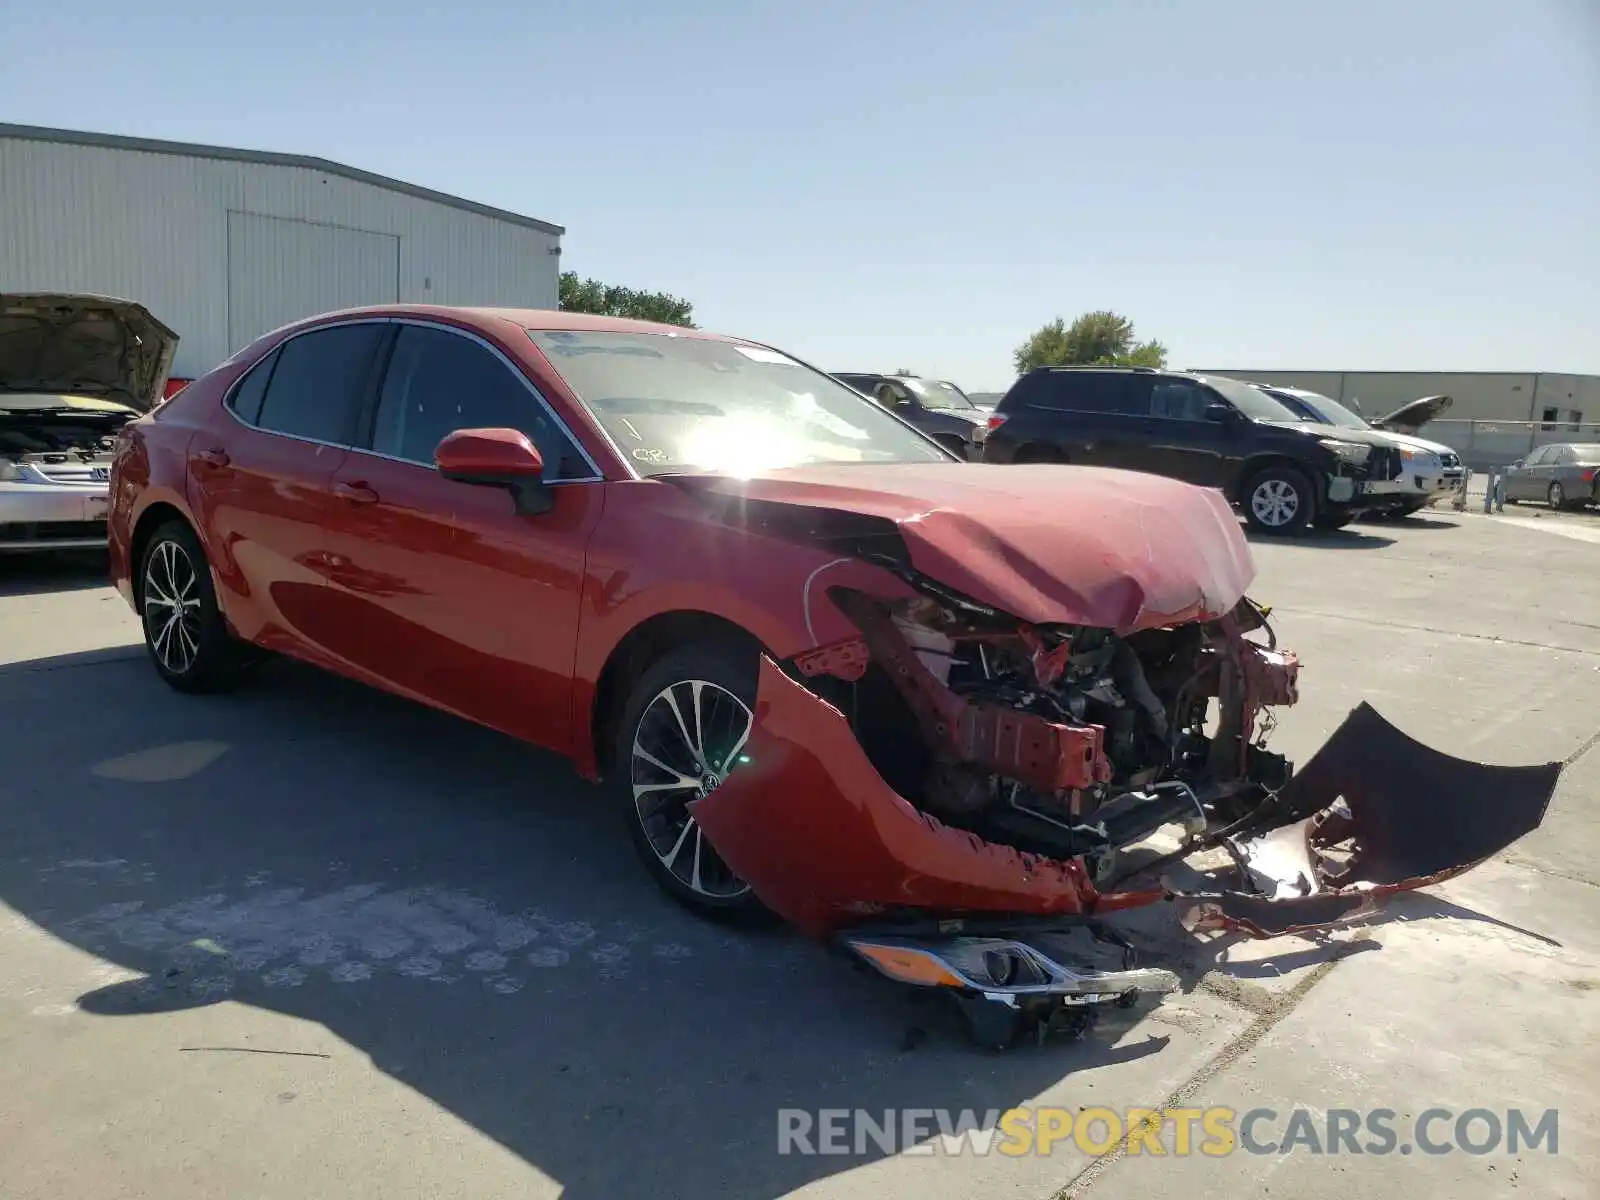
(941, 410)
(1282, 471)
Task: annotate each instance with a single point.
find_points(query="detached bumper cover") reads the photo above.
(1372, 814)
(825, 843)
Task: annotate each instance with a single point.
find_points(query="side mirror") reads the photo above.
(502, 458)
(1220, 413)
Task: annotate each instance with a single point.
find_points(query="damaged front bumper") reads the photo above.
(825, 843)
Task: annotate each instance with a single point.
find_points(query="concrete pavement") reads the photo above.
(308, 940)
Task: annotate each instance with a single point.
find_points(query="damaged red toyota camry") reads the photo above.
(917, 707)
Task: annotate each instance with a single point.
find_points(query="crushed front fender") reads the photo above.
(824, 842)
(1374, 813)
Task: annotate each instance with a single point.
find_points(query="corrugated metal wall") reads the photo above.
(164, 229)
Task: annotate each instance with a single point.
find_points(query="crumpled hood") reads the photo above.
(84, 345)
(1046, 543)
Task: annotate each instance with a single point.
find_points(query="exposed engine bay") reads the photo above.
(1061, 741)
(65, 437)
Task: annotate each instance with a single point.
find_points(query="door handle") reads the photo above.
(214, 458)
(356, 493)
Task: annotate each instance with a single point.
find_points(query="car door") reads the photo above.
(444, 592)
(259, 481)
(1534, 478)
(1100, 419)
(1182, 441)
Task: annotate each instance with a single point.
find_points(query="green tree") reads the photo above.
(613, 300)
(1094, 339)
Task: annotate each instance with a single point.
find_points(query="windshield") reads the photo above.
(1250, 401)
(937, 394)
(677, 404)
(1329, 412)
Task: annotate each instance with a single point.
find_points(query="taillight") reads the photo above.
(174, 386)
(995, 421)
(1588, 476)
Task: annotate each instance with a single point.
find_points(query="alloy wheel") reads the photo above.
(1558, 496)
(688, 738)
(1275, 502)
(172, 607)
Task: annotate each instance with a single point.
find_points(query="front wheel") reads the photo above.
(184, 631)
(1278, 500)
(682, 731)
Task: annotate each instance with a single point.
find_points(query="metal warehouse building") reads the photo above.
(1546, 397)
(223, 245)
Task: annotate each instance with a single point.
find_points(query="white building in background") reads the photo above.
(1549, 398)
(223, 245)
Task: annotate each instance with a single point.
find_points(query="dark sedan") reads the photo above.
(1561, 474)
(941, 410)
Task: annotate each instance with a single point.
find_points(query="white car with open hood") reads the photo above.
(73, 371)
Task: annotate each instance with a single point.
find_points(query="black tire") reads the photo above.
(662, 837)
(1556, 496)
(1286, 505)
(195, 652)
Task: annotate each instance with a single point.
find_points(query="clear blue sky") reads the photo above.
(1379, 184)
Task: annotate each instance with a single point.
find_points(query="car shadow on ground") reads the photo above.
(464, 911)
(56, 571)
(1348, 538)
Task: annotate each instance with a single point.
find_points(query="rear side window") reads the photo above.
(320, 381)
(439, 382)
(1180, 400)
(246, 397)
(1081, 391)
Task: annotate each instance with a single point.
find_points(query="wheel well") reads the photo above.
(1039, 452)
(1254, 466)
(643, 645)
(152, 519)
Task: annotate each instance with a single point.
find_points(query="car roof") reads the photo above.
(528, 318)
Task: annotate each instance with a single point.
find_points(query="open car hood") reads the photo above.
(84, 346)
(1046, 543)
(1411, 417)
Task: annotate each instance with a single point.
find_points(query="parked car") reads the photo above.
(1283, 471)
(939, 408)
(1562, 474)
(1430, 472)
(73, 370)
(913, 705)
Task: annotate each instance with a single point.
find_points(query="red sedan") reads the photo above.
(826, 670)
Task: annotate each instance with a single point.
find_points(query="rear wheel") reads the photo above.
(682, 730)
(1278, 500)
(184, 631)
(1557, 496)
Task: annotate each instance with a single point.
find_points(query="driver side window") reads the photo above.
(439, 382)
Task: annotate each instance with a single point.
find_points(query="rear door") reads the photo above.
(443, 592)
(1182, 443)
(260, 481)
(1100, 417)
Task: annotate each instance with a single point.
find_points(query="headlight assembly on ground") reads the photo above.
(1214, 1132)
